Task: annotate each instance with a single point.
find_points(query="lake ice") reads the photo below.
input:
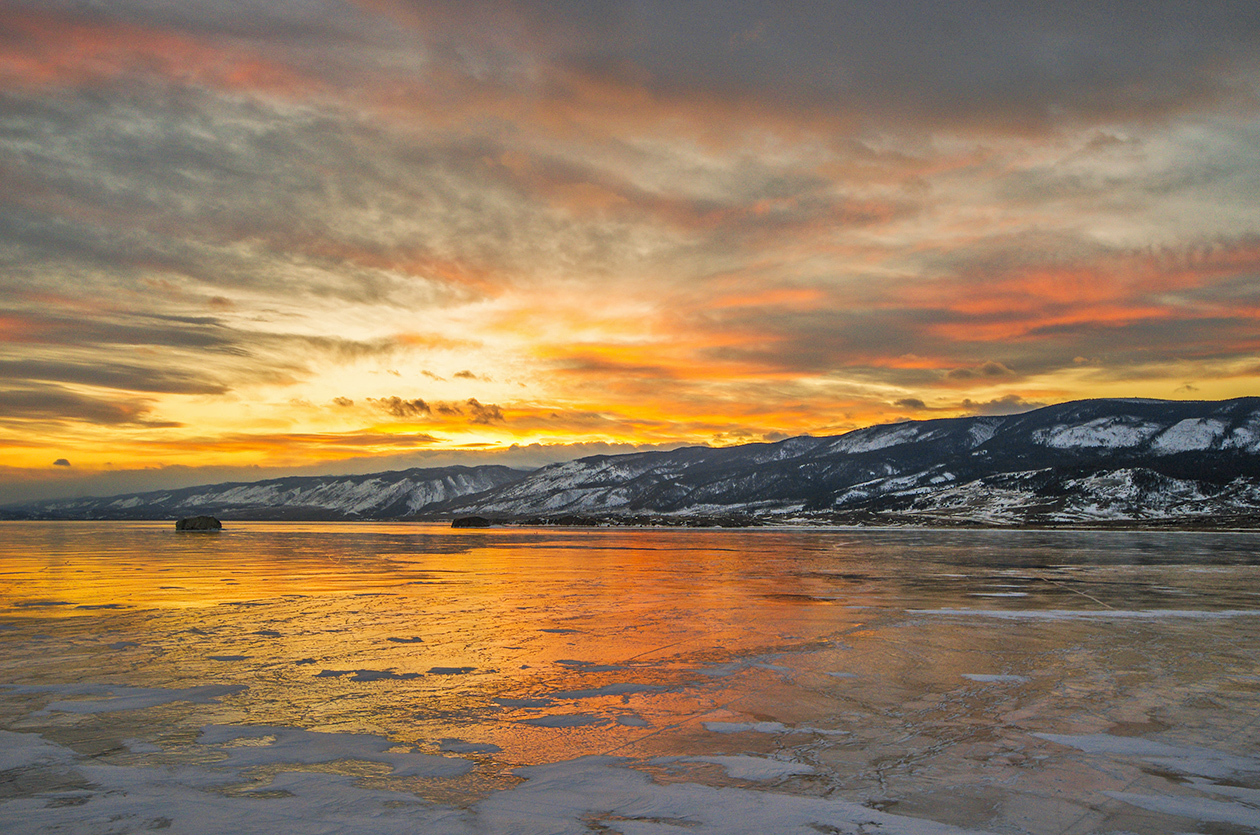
(385, 678)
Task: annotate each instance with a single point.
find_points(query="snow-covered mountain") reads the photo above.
(1092, 460)
(1175, 462)
(378, 496)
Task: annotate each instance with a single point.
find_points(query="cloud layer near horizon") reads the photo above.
(285, 234)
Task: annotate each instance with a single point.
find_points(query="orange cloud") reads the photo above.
(50, 49)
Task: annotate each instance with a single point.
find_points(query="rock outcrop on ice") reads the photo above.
(1086, 462)
(199, 523)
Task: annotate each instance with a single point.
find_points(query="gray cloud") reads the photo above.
(115, 376)
(987, 61)
(989, 369)
(485, 413)
(400, 408)
(61, 462)
(1011, 404)
(52, 404)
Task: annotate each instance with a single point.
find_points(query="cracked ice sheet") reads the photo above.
(1200, 762)
(1243, 809)
(557, 799)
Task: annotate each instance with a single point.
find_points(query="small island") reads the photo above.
(471, 522)
(199, 523)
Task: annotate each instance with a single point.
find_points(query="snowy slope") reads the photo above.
(380, 495)
(1086, 461)
(1092, 460)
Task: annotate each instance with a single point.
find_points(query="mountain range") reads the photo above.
(1111, 461)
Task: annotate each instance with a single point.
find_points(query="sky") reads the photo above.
(246, 239)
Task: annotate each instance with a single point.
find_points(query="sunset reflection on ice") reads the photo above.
(962, 678)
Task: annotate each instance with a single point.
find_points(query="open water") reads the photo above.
(383, 678)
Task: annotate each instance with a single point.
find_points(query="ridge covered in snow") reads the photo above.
(1089, 461)
(387, 495)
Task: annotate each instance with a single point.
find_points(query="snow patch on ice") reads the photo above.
(996, 679)
(459, 746)
(1092, 614)
(283, 745)
(617, 689)
(1198, 808)
(631, 720)
(768, 728)
(565, 798)
(121, 698)
(28, 750)
(368, 675)
(743, 767)
(566, 720)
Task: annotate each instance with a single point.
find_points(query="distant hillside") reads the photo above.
(377, 496)
(1088, 462)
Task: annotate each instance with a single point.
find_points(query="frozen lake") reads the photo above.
(407, 678)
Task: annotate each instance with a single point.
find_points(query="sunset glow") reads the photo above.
(252, 238)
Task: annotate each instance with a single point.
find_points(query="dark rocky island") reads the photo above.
(471, 522)
(199, 523)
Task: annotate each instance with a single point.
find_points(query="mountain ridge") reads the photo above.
(1102, 461)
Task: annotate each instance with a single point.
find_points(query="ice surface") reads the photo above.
(996, 679)
(743, 767)
(1243, 809)
(1195, 808)
(565, 720)
(617, 689)
(123, 698)
(1186, 759)
(27, 750)
(1094, 614)
(398, 678)
(556, 797)
(367, 675)
(459, 746)
(766, 728)
(284, 745)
